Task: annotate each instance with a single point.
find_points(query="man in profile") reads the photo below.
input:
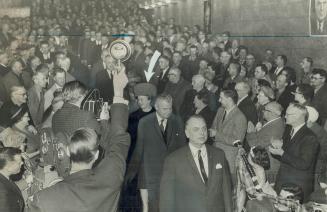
(319, 17)
(92, 189)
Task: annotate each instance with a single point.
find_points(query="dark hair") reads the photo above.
(83, 145)
(290, 73)
(296, 190)
(283, 57)
(307, 91)
(261, 157)
(263, 82)
(263, 68)
(320, 71)
(203, 95)
(310, 60)
(57, 70)
(243, 47)
(231, 94)
(8, 154)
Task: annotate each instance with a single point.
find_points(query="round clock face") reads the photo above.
(120, 50)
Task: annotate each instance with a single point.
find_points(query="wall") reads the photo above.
(282, 25)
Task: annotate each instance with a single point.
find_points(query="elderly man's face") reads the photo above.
(20, 96)
(321, 9)
(196, 131)
(164, 108)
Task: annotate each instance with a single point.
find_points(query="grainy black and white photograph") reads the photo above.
(163, 106)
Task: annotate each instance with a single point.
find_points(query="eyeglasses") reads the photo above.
(316, 78)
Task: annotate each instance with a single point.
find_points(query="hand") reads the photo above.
(31, 129)
(276, 143)
(258, 126)
(120, 80)
(104, 115)
(212, 132)
(276, 151)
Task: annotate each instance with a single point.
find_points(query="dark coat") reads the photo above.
(208, 115)
(249, 110)
(70, 117)
(3, 70)
(182, 188)
(178, 91)
(298, 161)
(96, 189)
(320, 103)
(152, 147)
(11, 199)
(105, 85)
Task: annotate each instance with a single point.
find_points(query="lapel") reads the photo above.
(229, 116)
(11, 185)
(157, 128)
(169, 130)
(210, 164)
(298, 134)
(195, 170)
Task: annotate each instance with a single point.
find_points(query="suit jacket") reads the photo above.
(182, 188)
(3, 70)
(96, 189)
(178, 91)
(152, 146)
(320, 103)
(105, 86)
(11, 199)
(231, 129)
(162, 81)
(298, 161)
(70, 117)
(285, 99)
(208, 115)
(249, 110)
(96, 68)
(35, 105)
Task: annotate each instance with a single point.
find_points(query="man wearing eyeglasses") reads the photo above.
(318, 81)
(272, 129)
(297, 151)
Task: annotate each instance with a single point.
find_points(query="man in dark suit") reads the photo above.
(158, 135)
(11, 199)
(70, 117)
(104, 80)
(35, 97)
(318, 82)
(319, 17)
(164, 70)
(196, 177)
(297, 152)
(97, 189)
(44, 53)
(4, 59)
(244, 102)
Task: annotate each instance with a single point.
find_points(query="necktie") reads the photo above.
(162, 127)
(203, 172)
(292, 133)
(224, 116)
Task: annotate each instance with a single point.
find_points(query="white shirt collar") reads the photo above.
(230, 110)
(194, 150)
(159, 120)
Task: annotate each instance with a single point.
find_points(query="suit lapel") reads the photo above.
(191, 161)
(210, 165)
(229, 116)
(298, 134)
(156, 126)
(169, 131)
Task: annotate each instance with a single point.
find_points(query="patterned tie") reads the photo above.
(162, 127)
(292, 133)
(203, 172)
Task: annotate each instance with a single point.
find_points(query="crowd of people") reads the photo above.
(190, 122)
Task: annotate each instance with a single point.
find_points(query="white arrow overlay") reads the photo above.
(149, 73)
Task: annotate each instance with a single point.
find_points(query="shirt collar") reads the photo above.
(159, 119)
(230, 110)
(194, 150)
